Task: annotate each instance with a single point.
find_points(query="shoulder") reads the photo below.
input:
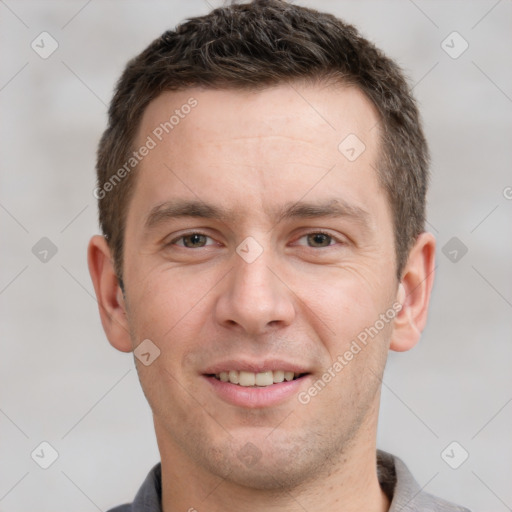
(429, 503)
(406, 494)
(148, 498)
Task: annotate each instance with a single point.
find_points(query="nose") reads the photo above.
(254, 298)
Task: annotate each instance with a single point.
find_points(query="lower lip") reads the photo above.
(256, 397)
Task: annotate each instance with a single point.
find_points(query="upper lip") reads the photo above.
(255, 366)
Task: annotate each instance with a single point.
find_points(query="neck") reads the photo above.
(348, 485)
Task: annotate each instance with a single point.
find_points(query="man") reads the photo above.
(261, 187)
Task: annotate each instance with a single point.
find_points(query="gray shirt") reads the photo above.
(395, 480)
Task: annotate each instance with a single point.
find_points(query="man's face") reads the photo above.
(318, 268)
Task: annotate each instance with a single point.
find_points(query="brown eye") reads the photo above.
(319, 240)
(193, 241)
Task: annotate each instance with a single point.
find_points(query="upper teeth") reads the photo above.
(255, 379)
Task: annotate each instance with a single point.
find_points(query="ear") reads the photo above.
(110, 298)
(414, 294)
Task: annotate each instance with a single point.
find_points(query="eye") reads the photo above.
(191, 241)
(318, 239)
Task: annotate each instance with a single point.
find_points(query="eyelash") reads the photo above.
(320, 232)
(185, 235)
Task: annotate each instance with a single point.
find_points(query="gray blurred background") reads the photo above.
(62, 383)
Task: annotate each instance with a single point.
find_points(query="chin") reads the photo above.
(264, 465)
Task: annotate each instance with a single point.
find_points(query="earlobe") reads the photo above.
(414, 294)
(110, 298)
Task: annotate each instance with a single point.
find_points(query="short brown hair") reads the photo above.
(252, 46)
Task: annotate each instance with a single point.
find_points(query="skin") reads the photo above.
(300, 301)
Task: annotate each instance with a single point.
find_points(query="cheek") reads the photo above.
(166, 303)
(345, 304)
(346, 314)
(170, 314)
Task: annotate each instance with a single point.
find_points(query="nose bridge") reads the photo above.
(254, 298)
(254, 279)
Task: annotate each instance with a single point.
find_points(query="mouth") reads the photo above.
(261, 379)
(256, 385)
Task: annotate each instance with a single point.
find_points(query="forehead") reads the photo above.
(307, 112)
(278, 142)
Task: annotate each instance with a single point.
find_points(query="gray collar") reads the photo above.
(407, 495)
(395, 479)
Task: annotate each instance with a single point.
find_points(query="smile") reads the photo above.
(260, 379)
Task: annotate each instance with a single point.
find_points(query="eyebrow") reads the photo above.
(334, 207)
(184, 208)
(178, 208)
